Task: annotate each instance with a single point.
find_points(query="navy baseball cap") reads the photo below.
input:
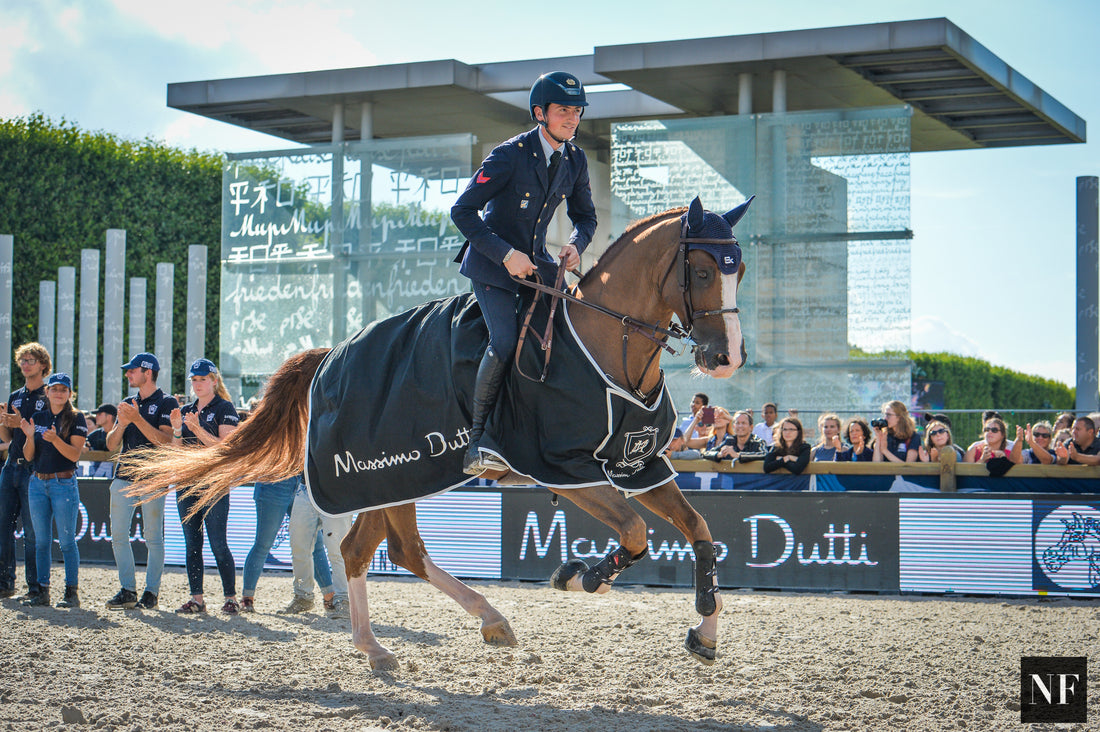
(110, 409)
(143, 361)
(202, 367)
(60, 378)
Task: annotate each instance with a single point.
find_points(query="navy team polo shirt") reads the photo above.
(213, 415)
(47, 458)
(25, 403)
(156, 410)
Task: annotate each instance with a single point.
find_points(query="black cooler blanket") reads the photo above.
(390, 414)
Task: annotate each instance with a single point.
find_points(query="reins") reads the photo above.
(655, 333)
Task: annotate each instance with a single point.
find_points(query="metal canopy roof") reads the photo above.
(963, 96)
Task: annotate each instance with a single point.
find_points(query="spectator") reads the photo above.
(995, 445)
(105, 418)
(897, 441)
(1040, 445)
(690, 426)
(678, 450)
(35, 366)
(790, 450)
(828, 426)
(1060, 437)
(305, 520)
(143, 421)
(937, 438)
(273, 502)
(54, 438)
(1083, 448)
(766, 429)
(206, 421)
(1064, 421)
(722, 429)
(858, 433)
(743, 446)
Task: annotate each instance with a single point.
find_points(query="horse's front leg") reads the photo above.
(407, 549)
(358, 548)
(608, 505)
(668, 502)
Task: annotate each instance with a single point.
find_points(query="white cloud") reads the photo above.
(261, 37)
(933, 335)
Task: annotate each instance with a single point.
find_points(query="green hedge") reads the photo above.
(63, 188)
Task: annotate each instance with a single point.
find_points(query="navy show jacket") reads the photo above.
(512, 187)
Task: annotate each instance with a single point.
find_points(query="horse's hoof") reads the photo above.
(703, 649)
(560, 579)
(384, 663)
(498, 634)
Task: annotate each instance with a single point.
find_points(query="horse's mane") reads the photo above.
(628, 237)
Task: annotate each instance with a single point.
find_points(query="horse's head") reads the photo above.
(709, 272)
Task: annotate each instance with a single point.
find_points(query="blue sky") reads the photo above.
(993, 255)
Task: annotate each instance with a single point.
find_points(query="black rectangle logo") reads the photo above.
(1053, 689)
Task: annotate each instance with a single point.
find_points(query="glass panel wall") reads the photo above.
(826, 243)
(306, 262)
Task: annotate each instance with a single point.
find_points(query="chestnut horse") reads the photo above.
(683, 263)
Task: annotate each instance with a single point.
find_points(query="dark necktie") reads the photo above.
(554, 160)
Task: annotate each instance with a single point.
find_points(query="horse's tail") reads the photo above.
(269, 446)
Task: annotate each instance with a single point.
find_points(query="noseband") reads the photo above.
(655, 333)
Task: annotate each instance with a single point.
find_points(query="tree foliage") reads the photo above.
(63, 188)
(971, 383)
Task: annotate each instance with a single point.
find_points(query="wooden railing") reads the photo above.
(946, 470)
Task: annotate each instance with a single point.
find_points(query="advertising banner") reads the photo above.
(768, 541)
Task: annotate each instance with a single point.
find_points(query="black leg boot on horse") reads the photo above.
(490, 377)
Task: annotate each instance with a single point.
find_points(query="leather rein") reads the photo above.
(655, 333)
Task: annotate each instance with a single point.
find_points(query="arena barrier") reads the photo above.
(841, 526)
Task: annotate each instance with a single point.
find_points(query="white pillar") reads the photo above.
(744, 93)
(779, 91)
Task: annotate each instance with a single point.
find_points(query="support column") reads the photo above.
(137, 315)
(744, 93)
(340, 261)
(779, 91)
(366, 219)
(1088, 296)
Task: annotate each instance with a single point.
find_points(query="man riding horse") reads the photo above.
(519, 186)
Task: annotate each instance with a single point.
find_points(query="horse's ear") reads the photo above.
(695, 214)
(734, 215)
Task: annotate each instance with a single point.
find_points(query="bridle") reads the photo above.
(653, 332)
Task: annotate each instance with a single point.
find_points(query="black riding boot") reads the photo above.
(490, 376)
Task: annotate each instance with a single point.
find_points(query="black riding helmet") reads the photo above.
(557, 87)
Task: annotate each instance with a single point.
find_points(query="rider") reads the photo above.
(519, 186)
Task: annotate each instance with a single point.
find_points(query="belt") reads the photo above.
(54, 476)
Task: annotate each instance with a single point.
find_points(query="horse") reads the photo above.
(684, 263)
(1080, 540)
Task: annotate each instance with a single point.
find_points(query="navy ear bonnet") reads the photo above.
(708, 225)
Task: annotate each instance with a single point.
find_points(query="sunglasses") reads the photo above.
(992, 429)
(938, 431)
(1041, 434)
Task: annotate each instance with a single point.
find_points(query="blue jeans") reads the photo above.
(216, 520)
(152, 528)
(273, 503)
(56, 501)
(15, 504)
